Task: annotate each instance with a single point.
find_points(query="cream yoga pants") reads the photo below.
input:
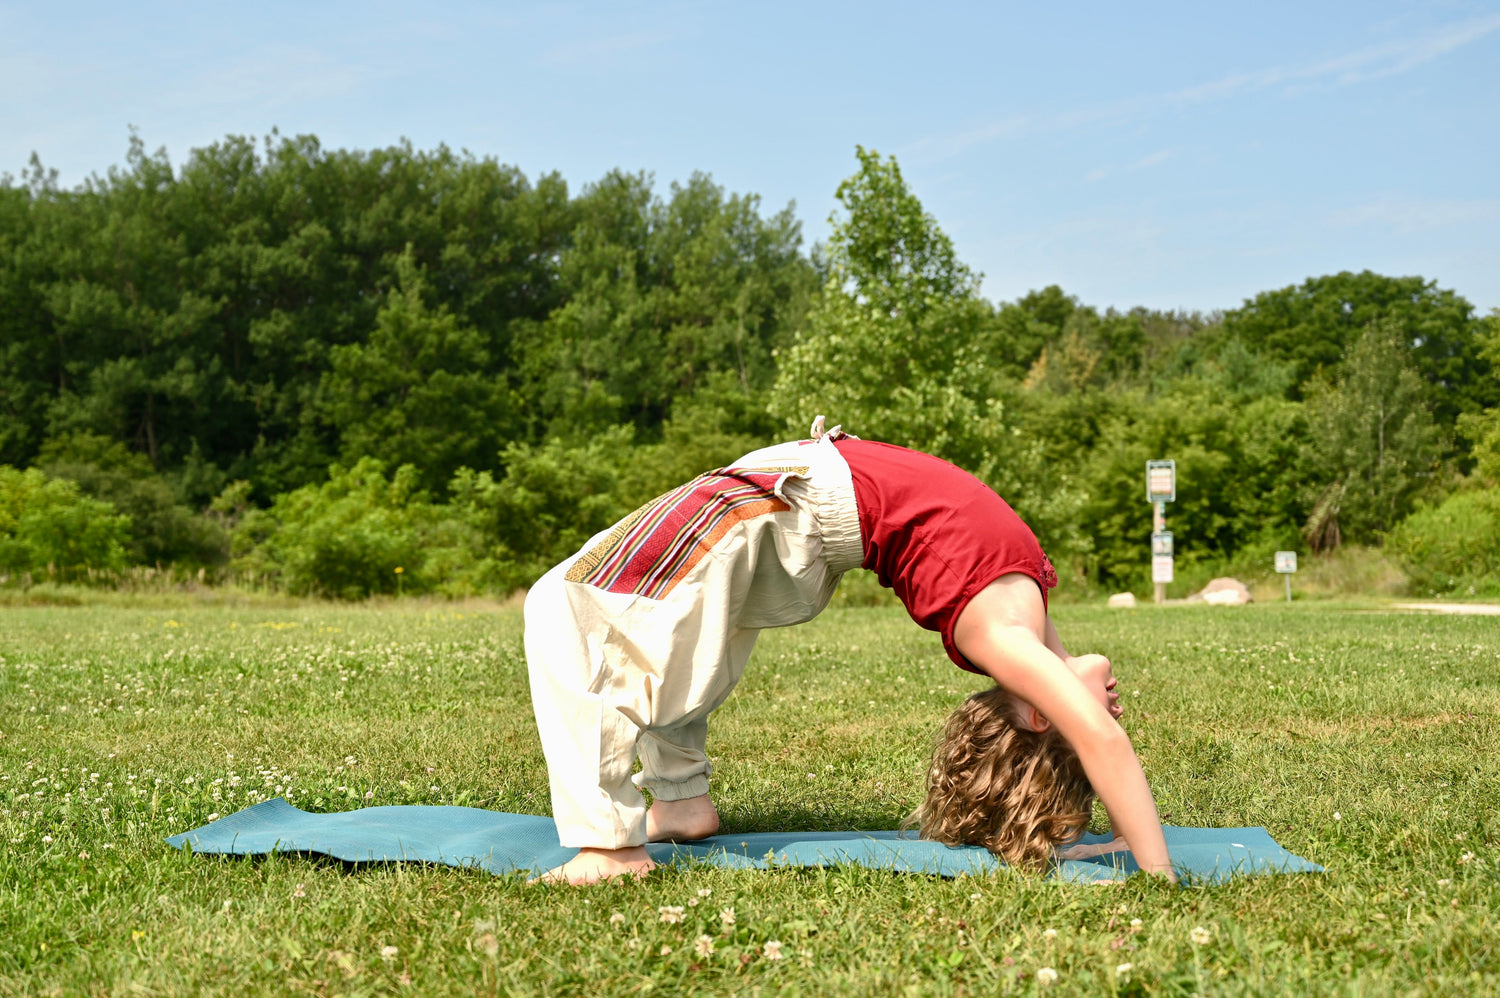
(634, 641)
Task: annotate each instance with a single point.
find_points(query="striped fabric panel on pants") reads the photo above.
(654, 548)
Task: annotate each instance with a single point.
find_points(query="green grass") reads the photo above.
(1363, 740)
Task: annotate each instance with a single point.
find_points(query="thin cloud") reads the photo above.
(600, 49)
(274, 77)
(1363, 65)
(1144, 163)
(1371, 63)
(1410, 217)
(947, 145)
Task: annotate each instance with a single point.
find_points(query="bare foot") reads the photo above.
(681, 820)
(593, 865)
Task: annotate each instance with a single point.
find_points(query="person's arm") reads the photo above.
(1004, 632)
(1053, 640)
(1054, 644)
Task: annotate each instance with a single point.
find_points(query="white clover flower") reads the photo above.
(692, 902)
(1046, 977)
(214, 816)
(369, 795)
(1200, 936)
(299, 891)
(1136, 925)
(772, 949)
(1124, 969)
(1337, 816)
(617, 918)
(670, 913)
(665, 951)
(704, 945)
(47, 839)
(1050, 934)
(975, 896)
(726, 916)
(704, 892)
(1466, 857)
(389, 952)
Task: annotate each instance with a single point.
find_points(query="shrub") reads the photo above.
(556, 495)
(552, 498)
(357, 534)
(47, 525)
(1454, 547)
(162, 530)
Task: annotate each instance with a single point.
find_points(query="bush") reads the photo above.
(1454, 547)
(162, 530)
(551, 499)
(355, 535)
(555, 496)
(48, 526)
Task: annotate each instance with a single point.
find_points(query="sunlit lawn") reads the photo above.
(1365, 741)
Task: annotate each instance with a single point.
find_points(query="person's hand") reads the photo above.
(1088, 850)
(1098, 675)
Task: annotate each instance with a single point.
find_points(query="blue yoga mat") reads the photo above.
(525, 843)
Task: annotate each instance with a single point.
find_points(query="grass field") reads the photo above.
(1364, 740)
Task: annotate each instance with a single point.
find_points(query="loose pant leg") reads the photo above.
(589, 745)
(674, 757)
(674, 761)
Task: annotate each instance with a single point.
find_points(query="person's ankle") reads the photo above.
(682, 820)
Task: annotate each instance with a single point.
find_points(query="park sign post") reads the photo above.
(1161, 488)
(1286, 564)
(1161, 481)
(1161, 560)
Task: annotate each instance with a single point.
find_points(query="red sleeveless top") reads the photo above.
(936, 535)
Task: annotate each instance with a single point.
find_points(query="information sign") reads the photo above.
(1161, 481)
(1161, 568)
(1286, 562)
(1161, 544)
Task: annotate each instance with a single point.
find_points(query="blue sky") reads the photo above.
(1168, 155)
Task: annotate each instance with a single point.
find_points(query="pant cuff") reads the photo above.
(693, 786)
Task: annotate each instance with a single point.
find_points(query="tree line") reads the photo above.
(310, 368)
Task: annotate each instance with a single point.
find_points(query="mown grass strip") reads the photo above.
(1363, 740)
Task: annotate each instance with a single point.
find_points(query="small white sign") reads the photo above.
(1161, 543)
(1286, 562)
(1161, 481)
(1161, 568)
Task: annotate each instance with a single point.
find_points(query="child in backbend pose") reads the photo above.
(634, 641)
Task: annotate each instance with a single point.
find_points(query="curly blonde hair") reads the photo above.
(995, 783)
